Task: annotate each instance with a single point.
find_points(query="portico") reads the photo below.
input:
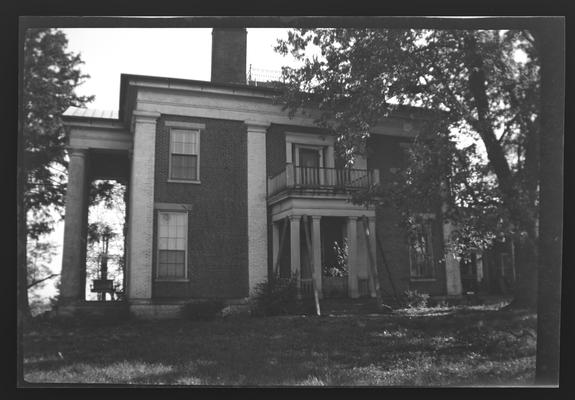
(297, 211)
(99, 148)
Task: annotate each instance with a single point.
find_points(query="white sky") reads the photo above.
(168, 52)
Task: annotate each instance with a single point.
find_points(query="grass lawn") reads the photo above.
(441, 346)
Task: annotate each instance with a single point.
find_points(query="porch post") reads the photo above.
(294, 222)
(141, 206)
(275, 245)
(73, 266)
(352, 259)
(316, 246)
(452, 269)
(372, 247)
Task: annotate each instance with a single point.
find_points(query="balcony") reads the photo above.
(321, 179)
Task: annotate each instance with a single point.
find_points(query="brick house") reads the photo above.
(220, 177)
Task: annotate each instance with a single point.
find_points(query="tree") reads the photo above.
(39, 257)
(50, 75)
(474, 77)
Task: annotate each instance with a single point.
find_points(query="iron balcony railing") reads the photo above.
(321, 178)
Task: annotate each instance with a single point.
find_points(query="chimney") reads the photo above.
(229, 47)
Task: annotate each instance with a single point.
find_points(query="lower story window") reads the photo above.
(172, 246)
(421, 249)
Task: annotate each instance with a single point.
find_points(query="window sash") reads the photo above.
(172, 246)
(184, 154)
(421, 252)
(184, 167)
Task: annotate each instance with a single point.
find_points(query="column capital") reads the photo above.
(294, 217)
(144, 117)
(77, 152)
(256, 126)
(315, 217)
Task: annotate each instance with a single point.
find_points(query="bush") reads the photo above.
(203, 310)
(415, 299)
(275, 297)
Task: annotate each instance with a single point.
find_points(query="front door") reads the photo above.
(309, 163)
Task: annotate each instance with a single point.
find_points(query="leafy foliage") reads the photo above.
(415, 299)
(50, 76)
(341, 254)
(485, 85)
(106, 232)
(276, 296)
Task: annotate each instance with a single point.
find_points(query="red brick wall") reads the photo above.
(217, 234)
(385, 153)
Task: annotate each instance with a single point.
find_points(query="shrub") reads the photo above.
(415, 299)
(203, 310)
(277, 296)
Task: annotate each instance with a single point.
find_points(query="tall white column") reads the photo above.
(73, 267)
(294, 225)
(275, 245)
(352, 258)
(316, 246)
(257, 205)
(372, 247)
(141, 204)
(452, 268)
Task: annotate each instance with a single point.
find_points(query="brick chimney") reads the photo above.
(229, 47)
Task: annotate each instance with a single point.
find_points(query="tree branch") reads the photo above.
(34, 283)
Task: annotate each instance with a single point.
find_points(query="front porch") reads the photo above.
(303, 241)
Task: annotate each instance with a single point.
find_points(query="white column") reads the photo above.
(372, 244)
(316, 246)
(275, 244)
(73, 268)
(141, 204)
(452, 269)
(294, 226)
(257, 205)
(352, 259)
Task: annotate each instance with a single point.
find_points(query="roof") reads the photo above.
(90, 113)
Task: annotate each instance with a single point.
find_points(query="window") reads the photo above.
(172, 245)
(421, 249)
(184, 154)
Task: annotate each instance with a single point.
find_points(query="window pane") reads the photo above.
(174, 267)
(184, 141)
(184, 167)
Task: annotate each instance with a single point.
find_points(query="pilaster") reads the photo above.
(141, 206)
(257, 204)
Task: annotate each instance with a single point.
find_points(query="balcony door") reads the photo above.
(309, 165)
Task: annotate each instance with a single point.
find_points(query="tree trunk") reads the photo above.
(522, 217)
(551, 43)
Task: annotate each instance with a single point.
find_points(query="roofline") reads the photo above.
(125, 78)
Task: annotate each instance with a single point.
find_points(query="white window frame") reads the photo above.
(427, 220)
(190, 127)
(186, 245)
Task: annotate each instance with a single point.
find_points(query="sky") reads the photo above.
(168, 52)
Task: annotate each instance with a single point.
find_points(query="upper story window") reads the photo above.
(184, 154)
(421, 249)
